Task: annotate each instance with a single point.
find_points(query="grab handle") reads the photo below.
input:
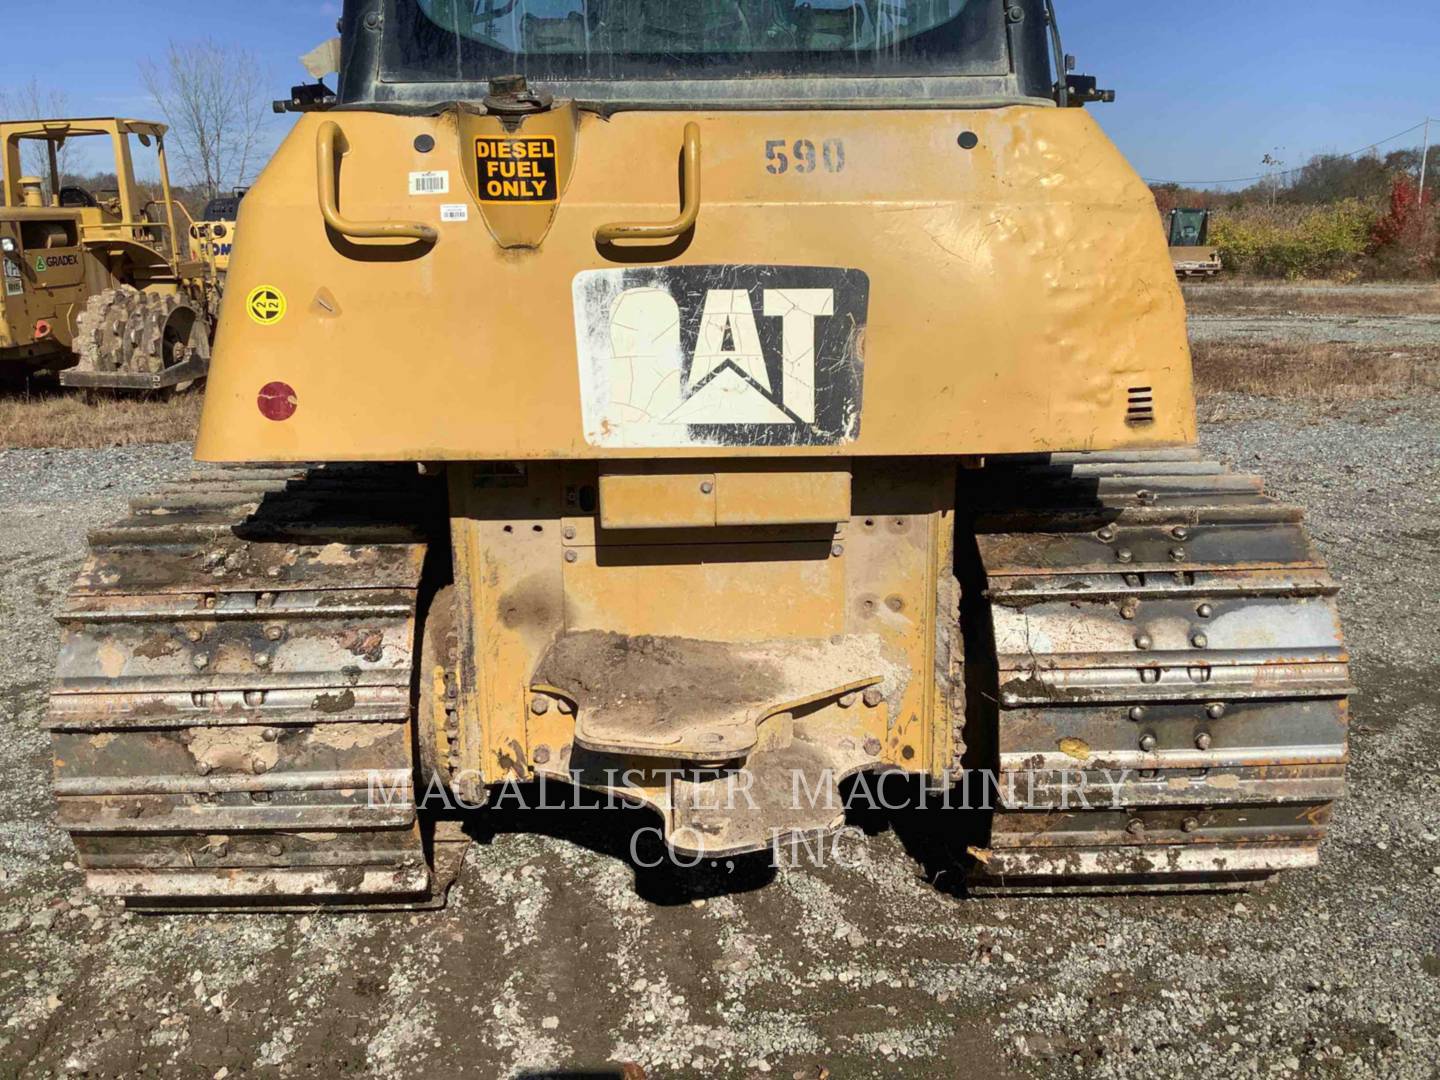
(326, 142)
(689, 203)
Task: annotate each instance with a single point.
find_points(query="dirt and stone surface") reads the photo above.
(1300, 328)
(558, 954)
(1402, 315)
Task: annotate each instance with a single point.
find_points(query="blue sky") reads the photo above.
(1207, 87)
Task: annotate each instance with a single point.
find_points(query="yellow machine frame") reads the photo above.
(1011, 233)
(1055, 357)
(675, 438)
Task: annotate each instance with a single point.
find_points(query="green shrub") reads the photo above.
(1295, 241)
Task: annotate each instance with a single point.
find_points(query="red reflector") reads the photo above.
(277, 401)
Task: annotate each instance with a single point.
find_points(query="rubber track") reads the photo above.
(1170, 676)
(231, 716)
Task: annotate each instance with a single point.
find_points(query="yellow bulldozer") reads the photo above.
(96, 285)
(750, 402)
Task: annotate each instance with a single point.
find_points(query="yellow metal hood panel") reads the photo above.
(1017, 290)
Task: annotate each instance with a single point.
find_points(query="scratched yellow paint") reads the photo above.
(1018, 290)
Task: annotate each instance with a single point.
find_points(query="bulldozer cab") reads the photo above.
(1189, 228)
(651, 49)
(581, 120)
(224, 207)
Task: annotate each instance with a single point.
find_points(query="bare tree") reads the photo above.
(35, 102)
(213, 98)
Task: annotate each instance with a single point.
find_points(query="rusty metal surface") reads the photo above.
(254, 885)
(738, 747)
(790, 795)
(785, 792)
(234, 686)
(1152, 549)
(1169, 585)
(536, 573)
(1214, 865)
(1162, 826)
(1249, 733)
(1043, 788)
(704, 700)
(1171, 676)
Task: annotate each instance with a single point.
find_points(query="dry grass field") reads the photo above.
(1326, 374)
(1216, 298)
(54, 419)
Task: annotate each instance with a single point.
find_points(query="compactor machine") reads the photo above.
(717, 400)
(95, 284)
(1191, 251)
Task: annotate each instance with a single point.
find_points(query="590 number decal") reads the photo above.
(803, 155)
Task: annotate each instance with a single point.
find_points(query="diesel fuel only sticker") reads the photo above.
(517, 169)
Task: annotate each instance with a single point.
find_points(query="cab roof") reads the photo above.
(79, 126)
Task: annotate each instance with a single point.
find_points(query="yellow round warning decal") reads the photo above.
(266, 305)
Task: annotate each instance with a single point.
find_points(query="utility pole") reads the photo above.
(1273, 163)
(1424, 162)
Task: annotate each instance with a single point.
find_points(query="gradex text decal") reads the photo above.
(50, 262)
(721, 355)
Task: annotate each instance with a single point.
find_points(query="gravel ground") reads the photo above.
(1299, 329)
(1329, 289)
(556, 953)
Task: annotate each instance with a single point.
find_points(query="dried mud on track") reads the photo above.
(557, 954)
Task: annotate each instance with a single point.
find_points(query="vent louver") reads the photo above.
(1140, 407)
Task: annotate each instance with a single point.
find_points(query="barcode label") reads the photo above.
(454, 212)
(429, 183)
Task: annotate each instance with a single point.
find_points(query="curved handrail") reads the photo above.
(689, 203)
(329, 138)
